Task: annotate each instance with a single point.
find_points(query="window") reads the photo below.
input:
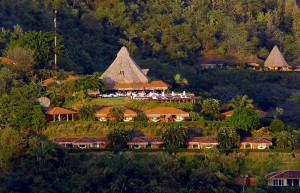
(82, 146)
(195, 146)
(277, 182)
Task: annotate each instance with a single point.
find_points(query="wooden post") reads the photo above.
(67, 117)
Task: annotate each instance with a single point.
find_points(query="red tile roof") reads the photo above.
(64, 139)
(284, 174)
(166, 111)
(60, 111)
(7, 60)
(104, 112)
(255, 140)
(50, 80)
(203, 140)
(229, 113)
(137, 140)
(128, 112)
(92, 139)
(146, 140)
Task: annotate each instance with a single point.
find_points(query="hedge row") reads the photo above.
(180, 150)
(144, 124)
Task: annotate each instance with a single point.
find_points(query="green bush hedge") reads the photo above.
(236, 150)
(132, 124)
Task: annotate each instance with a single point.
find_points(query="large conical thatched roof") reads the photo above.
(124, 70)
(275, 59)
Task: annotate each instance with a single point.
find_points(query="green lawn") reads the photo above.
(110, 101)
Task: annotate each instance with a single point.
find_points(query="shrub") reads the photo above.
(87, 112)
(227, 137)
(117, 137)
(141, 117)
(174, 136)
(277, 126)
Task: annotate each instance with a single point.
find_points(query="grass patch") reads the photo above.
(115, 101)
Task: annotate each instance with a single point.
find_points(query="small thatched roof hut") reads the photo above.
(125, 74)
(124, 70)
(275, 60)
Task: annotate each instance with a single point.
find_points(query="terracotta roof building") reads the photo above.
(124, 75)
(102, 115)
(166, 114)
(284, 178)
(275, 60)
(262, 114)
(82, 142)
(7, 60)
(202, 143)
(144, 142)
(50, 80)
(60, 114)
(255, 143)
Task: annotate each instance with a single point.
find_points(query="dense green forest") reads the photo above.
(30, 163)
(161, 34)
(168, 37)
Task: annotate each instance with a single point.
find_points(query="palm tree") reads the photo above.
(116, 113)
(174, 136)
(241, 102)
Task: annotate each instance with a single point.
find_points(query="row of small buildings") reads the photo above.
(164, 114)
(157, 142)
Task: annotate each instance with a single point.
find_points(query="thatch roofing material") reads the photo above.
(154, 85)
(60, 111)
(168, 111)
(124, 70)
(275, 59)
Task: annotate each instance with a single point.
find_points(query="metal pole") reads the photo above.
(55, 67)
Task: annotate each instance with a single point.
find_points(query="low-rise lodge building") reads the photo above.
(284, 178)
(60, 114)
(145, 142)
(202, 143)
(81, 142)
(255, 143)
(51, 80)
(103, 115)
(275, 61)
(166, 114)
(125, 75)
(262, 114)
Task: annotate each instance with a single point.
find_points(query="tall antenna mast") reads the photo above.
(55, 61)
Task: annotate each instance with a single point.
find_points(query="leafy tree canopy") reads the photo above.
(227, 137)
(244, 118)
(174, 136)
(117, 137)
